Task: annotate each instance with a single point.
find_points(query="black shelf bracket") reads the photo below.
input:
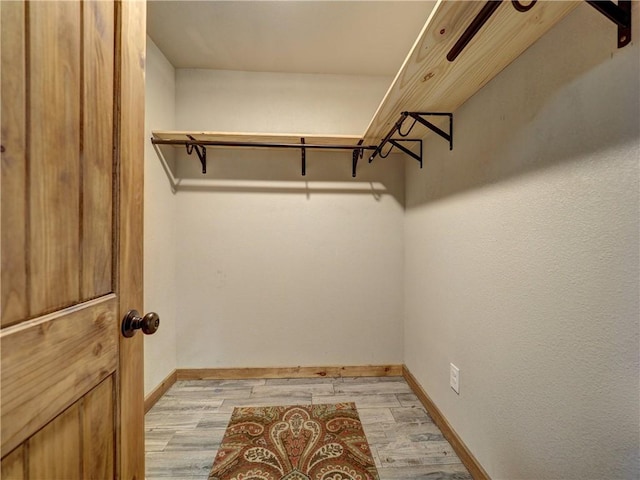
(396, 127)
(303, 152)
(418, 117)
(201, 151)
(357, 154)
(398, 143)
(619, 14)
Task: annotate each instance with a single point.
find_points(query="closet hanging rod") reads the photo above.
(200, 147)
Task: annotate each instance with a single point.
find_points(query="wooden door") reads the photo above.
(72, 150)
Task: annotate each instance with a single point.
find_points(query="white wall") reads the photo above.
(159, 221)
(230, 101)
(276, 269)
(522, 261)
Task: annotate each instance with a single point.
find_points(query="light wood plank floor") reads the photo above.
(185, 427)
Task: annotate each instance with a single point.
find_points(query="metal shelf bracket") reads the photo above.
(418, 117)
(358, 153)
(303, 152)
(398, 143)
(619, 14)
(201, 151)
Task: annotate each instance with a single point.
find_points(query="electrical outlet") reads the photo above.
(454, 378)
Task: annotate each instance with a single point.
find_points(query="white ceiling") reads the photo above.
(331, 37)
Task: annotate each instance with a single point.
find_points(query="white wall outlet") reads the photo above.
(454, 378)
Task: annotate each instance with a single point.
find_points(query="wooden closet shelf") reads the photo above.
(259, 138)
(199, 141)
(427, 81)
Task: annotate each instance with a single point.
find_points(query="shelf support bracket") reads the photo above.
(304, 158)
(418, 116)
(619, 14)
(357, 154)
(354, 163)
(201, 151)
(398, 143)
(386, 139)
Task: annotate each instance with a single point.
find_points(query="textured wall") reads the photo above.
(522, 261)
(276, 102)
(159, 223)
(276, 269)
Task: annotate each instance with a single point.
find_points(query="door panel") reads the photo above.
(71, 241)
(98, 432)
(14, 165)
(13, 465)
(96, 151)
(53, 155)
(56, 450)
(51, 362)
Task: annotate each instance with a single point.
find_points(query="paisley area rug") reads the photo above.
(308, 442)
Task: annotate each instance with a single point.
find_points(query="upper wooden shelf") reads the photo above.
(199, 141)
(258, 138)
(427, 81)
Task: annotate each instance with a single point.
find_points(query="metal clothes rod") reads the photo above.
(200, 147)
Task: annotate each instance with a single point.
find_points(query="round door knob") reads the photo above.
(132, 321)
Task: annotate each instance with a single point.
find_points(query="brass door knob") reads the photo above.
(132, 321)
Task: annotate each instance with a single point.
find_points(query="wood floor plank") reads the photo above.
(405, 443)
(467, 458)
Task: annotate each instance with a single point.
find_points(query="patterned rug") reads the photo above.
(309, 442)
